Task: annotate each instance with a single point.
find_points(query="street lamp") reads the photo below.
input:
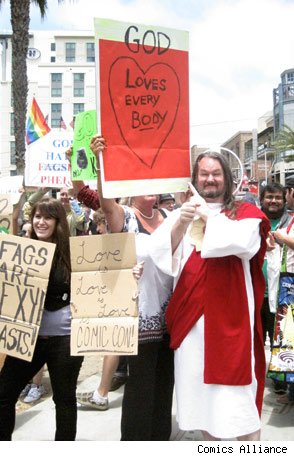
(265, 165)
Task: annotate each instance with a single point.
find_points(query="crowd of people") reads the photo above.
(206, 304)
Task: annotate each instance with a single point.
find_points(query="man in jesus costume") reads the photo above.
(214, 247)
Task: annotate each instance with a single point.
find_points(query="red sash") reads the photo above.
(216, 288)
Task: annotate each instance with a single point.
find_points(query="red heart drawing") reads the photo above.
(145, 104)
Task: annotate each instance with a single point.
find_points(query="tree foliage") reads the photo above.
(284, 143)
(20, 22)
(284, 139)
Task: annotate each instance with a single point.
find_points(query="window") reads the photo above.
(53, 47)
(55, 114)
(12, 124)
(290, 91)
(290, 77)
(78, 90)
(90, 52)
(52, 59)
(70, 52)
(56, 84)
(12, 153)
(276, 96)
(78, 107)
(56, 77)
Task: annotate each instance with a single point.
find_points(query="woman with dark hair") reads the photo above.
(148, 392)
(49, 224)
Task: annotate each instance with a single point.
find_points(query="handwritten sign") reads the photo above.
(6, 210)
(46, 162)
(24, 271)
(104, 295)
(83, 163)
(143, 103)
(2, 359)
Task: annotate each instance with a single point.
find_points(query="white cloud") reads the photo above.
(80, 13)
(238, 49)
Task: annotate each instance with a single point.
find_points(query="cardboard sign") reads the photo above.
(108, 336)
(104, 295)
(143, 101)
(6, 210)
(2, 360)
(46, 162)
(24, 272)
(83, 162)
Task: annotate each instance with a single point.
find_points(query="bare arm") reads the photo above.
(113, 211)
(279, 235)
(82, 192)
(77, 186)
(38, 195)
(16, 211)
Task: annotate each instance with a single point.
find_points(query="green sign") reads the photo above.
(83, 161)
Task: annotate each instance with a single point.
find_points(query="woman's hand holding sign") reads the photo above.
(138, 270)
(97, 145)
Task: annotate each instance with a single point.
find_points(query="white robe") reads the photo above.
(223, 411)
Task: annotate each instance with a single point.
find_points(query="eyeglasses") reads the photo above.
(274, 197)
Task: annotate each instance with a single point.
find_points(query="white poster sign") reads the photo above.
(46, 162)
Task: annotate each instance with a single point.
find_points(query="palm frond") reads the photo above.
(284, 139)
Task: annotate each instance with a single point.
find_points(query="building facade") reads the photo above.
(61, 75)
(256, 150)
(259, 153)
(237, 145)
(283, 111)
(283, 101)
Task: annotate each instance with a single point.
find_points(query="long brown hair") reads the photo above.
(229, 200)
(54, 209)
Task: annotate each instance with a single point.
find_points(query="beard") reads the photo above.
(272, 215)
(211, 192)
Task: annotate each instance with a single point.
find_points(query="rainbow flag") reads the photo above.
(36, 124)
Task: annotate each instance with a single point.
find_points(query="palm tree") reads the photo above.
(20, 21)
(284, 142)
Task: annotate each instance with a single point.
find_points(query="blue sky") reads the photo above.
(238, 49)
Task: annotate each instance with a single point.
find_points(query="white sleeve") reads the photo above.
(161, 247)
(224, 237)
